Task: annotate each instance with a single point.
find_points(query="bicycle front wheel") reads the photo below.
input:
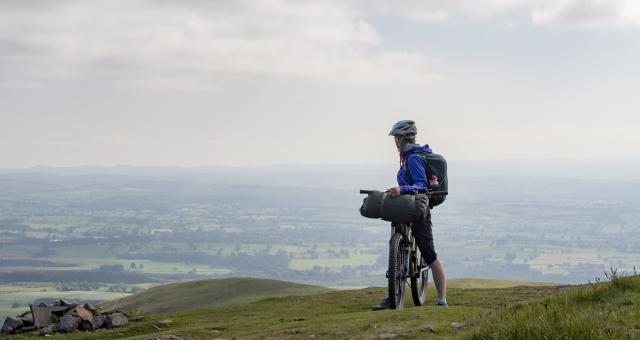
(397, 260)
(419, 280)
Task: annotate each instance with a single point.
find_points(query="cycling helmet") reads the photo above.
(405, 128)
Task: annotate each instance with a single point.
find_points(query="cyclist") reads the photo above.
(404, 133)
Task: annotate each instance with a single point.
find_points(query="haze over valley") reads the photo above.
(115, 231)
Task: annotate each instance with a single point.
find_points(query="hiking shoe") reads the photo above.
(442, 304)
(384, 304)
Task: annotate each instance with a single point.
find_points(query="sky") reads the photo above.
(255, 83)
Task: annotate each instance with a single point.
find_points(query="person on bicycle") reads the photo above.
(404, 133)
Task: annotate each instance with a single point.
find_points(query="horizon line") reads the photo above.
(559, 161)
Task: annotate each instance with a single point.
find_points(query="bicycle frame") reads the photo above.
(411, 250)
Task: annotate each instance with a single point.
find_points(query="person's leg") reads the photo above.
(422, 232)
(438, 278)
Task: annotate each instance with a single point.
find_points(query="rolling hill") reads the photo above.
(208, 293)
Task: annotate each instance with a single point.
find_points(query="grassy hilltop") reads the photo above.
(221, 292)
(208, 293)
(603, 310)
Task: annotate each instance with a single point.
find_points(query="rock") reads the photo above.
(165, 322)
(82, 313)
(115, 320)
(90, 308)
(388, 335)
(27, 318)
(41, 315)
(427, 329)
(27, 328)
(340, 333)
(10, 325)
(457, 326)
(168, 337)
(58, 310)
(86, 325)
(64, 302)
(98, 321)
(46, 330)
(68, 323)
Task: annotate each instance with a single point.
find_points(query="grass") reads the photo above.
(332, 314)
(337, 314)
(598, 310)
(594, 311)
(469, 283)
(208, 293)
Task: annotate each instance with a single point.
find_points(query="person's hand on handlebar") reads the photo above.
(395, 191)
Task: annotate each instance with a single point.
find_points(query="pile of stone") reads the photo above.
(63, 316)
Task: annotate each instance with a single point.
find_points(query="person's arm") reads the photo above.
(418, 174)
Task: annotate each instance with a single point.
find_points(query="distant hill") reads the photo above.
(208, 293)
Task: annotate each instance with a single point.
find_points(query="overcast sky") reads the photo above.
(196, 83)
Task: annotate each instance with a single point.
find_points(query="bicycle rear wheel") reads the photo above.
(397, 260)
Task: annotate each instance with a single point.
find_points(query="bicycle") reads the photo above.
(414, 272)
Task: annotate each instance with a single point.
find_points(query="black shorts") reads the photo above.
(421, 229)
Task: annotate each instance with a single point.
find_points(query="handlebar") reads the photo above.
(429, 193)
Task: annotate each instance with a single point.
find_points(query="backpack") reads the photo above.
(436, 166)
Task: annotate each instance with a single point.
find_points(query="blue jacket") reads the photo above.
(417, 179)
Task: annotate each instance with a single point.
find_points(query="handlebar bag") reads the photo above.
(398, 209)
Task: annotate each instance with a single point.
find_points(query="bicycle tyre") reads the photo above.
(396, 266)
(419, 283)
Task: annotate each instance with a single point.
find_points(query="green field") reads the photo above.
(333, 263)
(154, 267)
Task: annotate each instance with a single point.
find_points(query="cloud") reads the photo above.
(560, 13)
(451, 10)
(183, 83)
(589, 14)
(126, 40)
(283, 38)
(19, 84)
